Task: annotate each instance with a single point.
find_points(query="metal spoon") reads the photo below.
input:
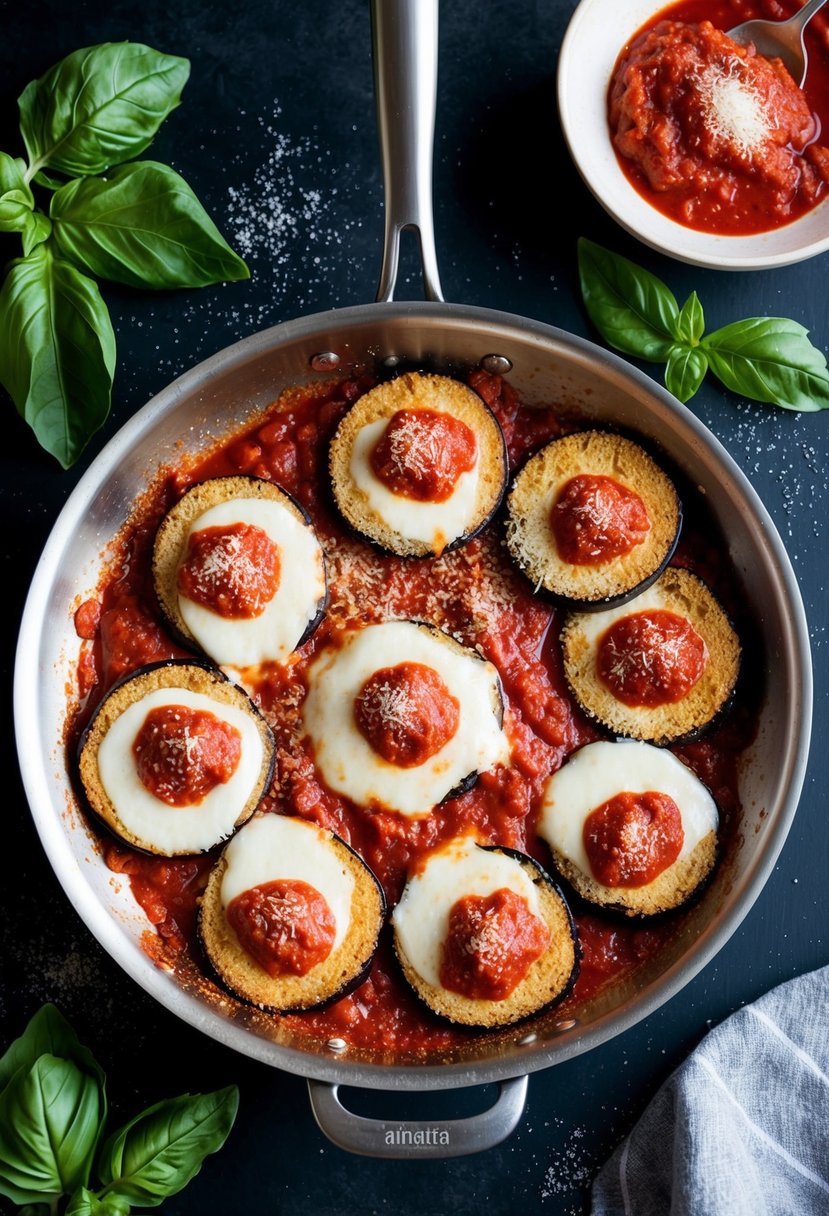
(780, 39)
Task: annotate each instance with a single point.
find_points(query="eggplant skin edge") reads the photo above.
(618, 912)
(619, 601)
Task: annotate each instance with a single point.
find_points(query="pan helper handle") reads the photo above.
(412, 1139)
(405, 41)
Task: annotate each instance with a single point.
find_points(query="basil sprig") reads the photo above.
(53, 1114)
(767, 359)
(135, 223)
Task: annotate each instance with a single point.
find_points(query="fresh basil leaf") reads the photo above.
(632, 309)
(49, 180)
(57, 351)
(99, 106)
(770, 359)
(35, 1209)
(690, 324)
(13, 176)
(685, 371)
(50, 1115)
(16, 199)
(159, 1151)
(87, 1203)
(37, 231)
(142, 226)
(48, 1033)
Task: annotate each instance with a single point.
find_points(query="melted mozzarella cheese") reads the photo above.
(436, 524)
(271, 847)
(459, 869)
(271, 636)
(177, 829)
(347, 761)
(601, 770)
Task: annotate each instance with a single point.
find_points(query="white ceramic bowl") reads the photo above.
(594, 37)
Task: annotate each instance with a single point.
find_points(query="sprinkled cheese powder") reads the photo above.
(387, 706)
(734, 113)
(414, 446)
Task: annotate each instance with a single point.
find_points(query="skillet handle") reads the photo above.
(405, 41)
(415, 1139)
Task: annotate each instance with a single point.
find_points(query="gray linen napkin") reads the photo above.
(741, 1128)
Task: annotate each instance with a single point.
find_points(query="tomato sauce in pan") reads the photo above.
(473, 592)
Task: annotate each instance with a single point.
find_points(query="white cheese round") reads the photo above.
(274, 633)
(177, 829)
(351, 766)
(600, 771)
(457, 870)
(436, 524)
(271, 847)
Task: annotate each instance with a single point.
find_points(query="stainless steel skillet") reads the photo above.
(545, 364)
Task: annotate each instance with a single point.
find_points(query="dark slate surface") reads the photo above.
(276, 134)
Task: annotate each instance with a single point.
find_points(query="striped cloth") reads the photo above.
(742, 1127)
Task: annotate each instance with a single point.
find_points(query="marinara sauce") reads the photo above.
(492, 942)
(422, 454)
(715, 137)
(632, 838)
(653, 658)
(475, 593)
(233, 570)
(286, 925)
(406, 713)
(181, 754)
(595, 519)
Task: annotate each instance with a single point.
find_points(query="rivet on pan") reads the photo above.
(336, 1044)
(391, 361)
(325, 361)
(566, 1024)
(527, 1039)
(498, 365)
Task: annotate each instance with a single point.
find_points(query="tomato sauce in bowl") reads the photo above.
(474, 593)
(714, 136)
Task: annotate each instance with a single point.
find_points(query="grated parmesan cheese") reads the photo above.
(414, 446)
(733, 111)
(389, 707)
(658, 654)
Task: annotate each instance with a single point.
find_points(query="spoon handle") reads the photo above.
(805, 14)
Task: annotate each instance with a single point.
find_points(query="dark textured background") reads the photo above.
(276, 134)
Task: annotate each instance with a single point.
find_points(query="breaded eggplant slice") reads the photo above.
(176, 758)
(661, 668)
(397, 677)
(630, 827)
(469, 916)
(401, 413)
(239, 571)
(291, 915)
(592, 519)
